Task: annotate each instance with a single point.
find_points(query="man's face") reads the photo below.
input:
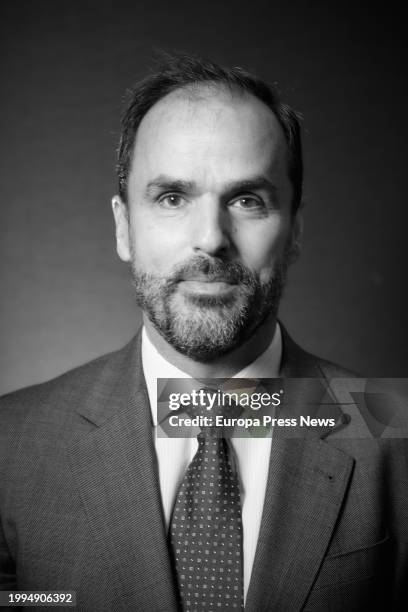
(208, 229)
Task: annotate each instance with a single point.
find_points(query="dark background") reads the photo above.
(66, 298)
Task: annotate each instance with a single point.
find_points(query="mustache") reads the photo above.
(215, 269)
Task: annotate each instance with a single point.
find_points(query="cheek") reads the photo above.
(263, 249)
(154, 247)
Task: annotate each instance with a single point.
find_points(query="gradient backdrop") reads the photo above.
(66, 298)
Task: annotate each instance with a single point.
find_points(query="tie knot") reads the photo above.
(216, 409)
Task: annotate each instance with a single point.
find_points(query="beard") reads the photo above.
(204, 327)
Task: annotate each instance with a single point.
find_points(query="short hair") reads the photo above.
(185, 71)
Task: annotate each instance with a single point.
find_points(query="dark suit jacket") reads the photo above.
(80, 502)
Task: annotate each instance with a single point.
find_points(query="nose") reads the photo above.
(211, 232)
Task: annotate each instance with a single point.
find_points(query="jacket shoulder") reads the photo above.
(334, 370)
(58, 397)
(298, 363)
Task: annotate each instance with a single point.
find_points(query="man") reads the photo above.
(208, 216)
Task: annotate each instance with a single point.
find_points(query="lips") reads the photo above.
(206, 279)
(210, 286)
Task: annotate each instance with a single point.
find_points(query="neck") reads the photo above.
(224, 366)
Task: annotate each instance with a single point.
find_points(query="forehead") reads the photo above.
(209, 132)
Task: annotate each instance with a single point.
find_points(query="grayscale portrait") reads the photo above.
(196, 202)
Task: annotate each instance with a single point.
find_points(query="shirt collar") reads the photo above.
(155, 366)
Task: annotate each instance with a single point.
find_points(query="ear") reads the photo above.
(296, 235)
(121, 216)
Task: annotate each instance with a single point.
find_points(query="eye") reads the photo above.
(248, 202)
(172, 200)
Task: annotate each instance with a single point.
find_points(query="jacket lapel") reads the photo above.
(115, 468)
(306, 486)
(307, 482)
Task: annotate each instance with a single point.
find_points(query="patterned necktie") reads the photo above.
(206, 529)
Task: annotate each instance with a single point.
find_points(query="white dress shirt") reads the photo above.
(252, 454)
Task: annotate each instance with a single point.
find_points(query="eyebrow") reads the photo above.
(256, 183)
(167, 183)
